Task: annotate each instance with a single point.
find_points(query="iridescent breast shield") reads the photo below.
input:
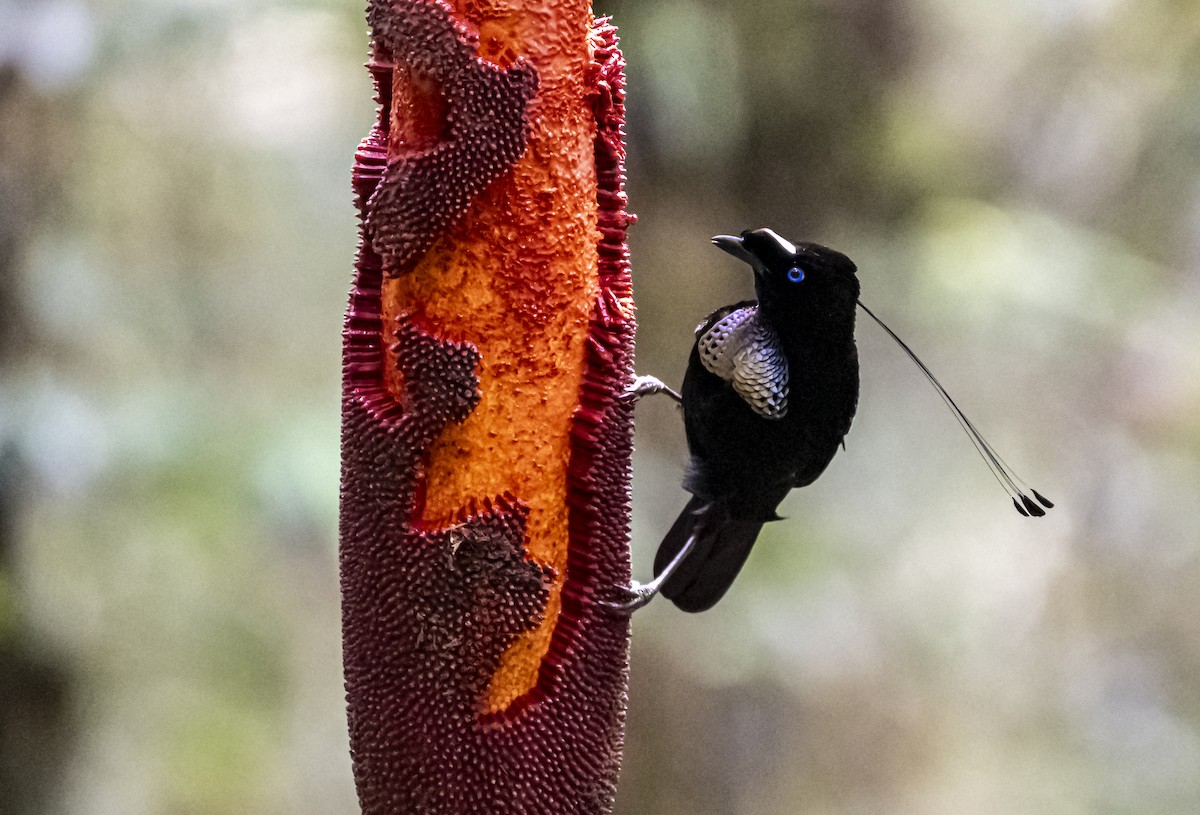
(745, 351)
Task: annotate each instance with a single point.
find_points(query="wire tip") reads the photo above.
(1004, 474)
(1033, 508)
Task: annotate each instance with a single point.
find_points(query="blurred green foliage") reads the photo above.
(1020, 186)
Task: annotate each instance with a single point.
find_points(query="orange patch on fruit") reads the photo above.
(517, 278)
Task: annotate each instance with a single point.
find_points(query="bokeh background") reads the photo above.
(1020, 186)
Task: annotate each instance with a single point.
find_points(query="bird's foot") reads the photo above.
(646, 386)
(632, 597)
(636, 594)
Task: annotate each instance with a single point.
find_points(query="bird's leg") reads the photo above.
(639, 594)
(647, 385)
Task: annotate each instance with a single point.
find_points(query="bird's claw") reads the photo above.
(634, 596)
(647, 386)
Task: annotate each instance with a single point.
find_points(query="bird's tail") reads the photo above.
(722, 546)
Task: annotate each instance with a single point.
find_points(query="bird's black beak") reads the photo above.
(736, 247)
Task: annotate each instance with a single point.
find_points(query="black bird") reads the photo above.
(770, 391)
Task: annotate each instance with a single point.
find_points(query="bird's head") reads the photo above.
(796, 280)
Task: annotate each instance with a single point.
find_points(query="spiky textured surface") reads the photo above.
(483, 128)
(428, 612)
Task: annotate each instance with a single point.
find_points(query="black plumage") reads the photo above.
(744, 456)
(769, 394)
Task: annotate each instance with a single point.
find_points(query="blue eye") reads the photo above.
(795, 274)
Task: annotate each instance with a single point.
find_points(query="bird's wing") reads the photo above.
(745, 352)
